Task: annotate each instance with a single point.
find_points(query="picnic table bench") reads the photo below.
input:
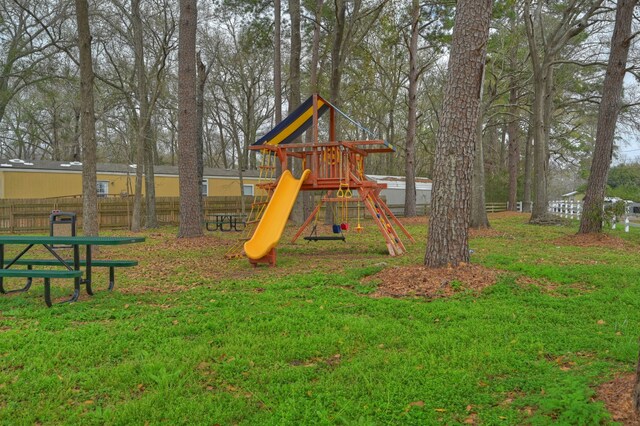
(71, 266)
(219, 220)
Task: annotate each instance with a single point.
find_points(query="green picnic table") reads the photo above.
(71, 267)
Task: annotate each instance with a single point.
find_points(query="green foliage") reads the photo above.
(569, 402)
(614, 211)
(497, 187)
(624, 181)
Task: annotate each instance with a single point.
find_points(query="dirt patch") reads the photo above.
(591, 240)
(419, 281)
(616, 396)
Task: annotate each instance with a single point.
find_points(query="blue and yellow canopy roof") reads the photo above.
(295, 124)
(301, 120)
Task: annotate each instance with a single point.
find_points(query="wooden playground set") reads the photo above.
(335, 168)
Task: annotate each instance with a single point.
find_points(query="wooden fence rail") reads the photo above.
(32, 215)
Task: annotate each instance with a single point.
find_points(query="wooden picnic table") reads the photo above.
(76, 242)
(221, 219)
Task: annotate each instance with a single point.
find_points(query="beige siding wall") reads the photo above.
(44, 184)
(41, 184)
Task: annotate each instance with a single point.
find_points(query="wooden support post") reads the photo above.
(269, 258)
(393, 235)
(383, 231)
(396, 221)
(307, 222)
(332, 125)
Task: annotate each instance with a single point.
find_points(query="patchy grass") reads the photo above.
(188, 337)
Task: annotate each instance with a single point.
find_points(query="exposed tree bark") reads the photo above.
(190, 199)
(203, 72)
(337, 55)
(307, 196)
(143, 104)
(150, 178)
(277, 61)
(447, 243)
(410, 148)
(294, 57)
(592, 214)
(514, 146)
(528, 172)
(479, 217)
(90, 225)
(297, 214)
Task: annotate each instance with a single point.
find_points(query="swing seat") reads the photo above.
(325, 238)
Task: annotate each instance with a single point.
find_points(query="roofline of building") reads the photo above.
(111, 168)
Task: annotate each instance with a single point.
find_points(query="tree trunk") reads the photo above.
(544, 47)
(297, 214)
(307, 196)
(479, 217)
(447, 243)
(540, 143)
(528, 171)
(410, 149)
(277, 69)
(141, 130)
(514, 147)
(202, 81)
(277, 61)
(336, 76)
(336, 54)
(90, 225)
(150, 179)
(190, 198)
(591, 220)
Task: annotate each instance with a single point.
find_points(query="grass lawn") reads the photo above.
(190, 338)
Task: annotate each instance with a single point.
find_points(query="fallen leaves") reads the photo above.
(420, 281)
(592, 240)
(616, 396)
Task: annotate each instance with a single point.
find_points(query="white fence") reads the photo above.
(566, 209)
(573, 210)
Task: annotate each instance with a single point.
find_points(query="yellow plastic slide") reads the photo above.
(271, 226)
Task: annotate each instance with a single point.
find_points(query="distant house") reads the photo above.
(394, 194)
(49, 179)
(573, 196)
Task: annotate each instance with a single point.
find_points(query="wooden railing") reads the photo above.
(496, 207)
(32, 215)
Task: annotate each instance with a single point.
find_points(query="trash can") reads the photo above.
(62, 224)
